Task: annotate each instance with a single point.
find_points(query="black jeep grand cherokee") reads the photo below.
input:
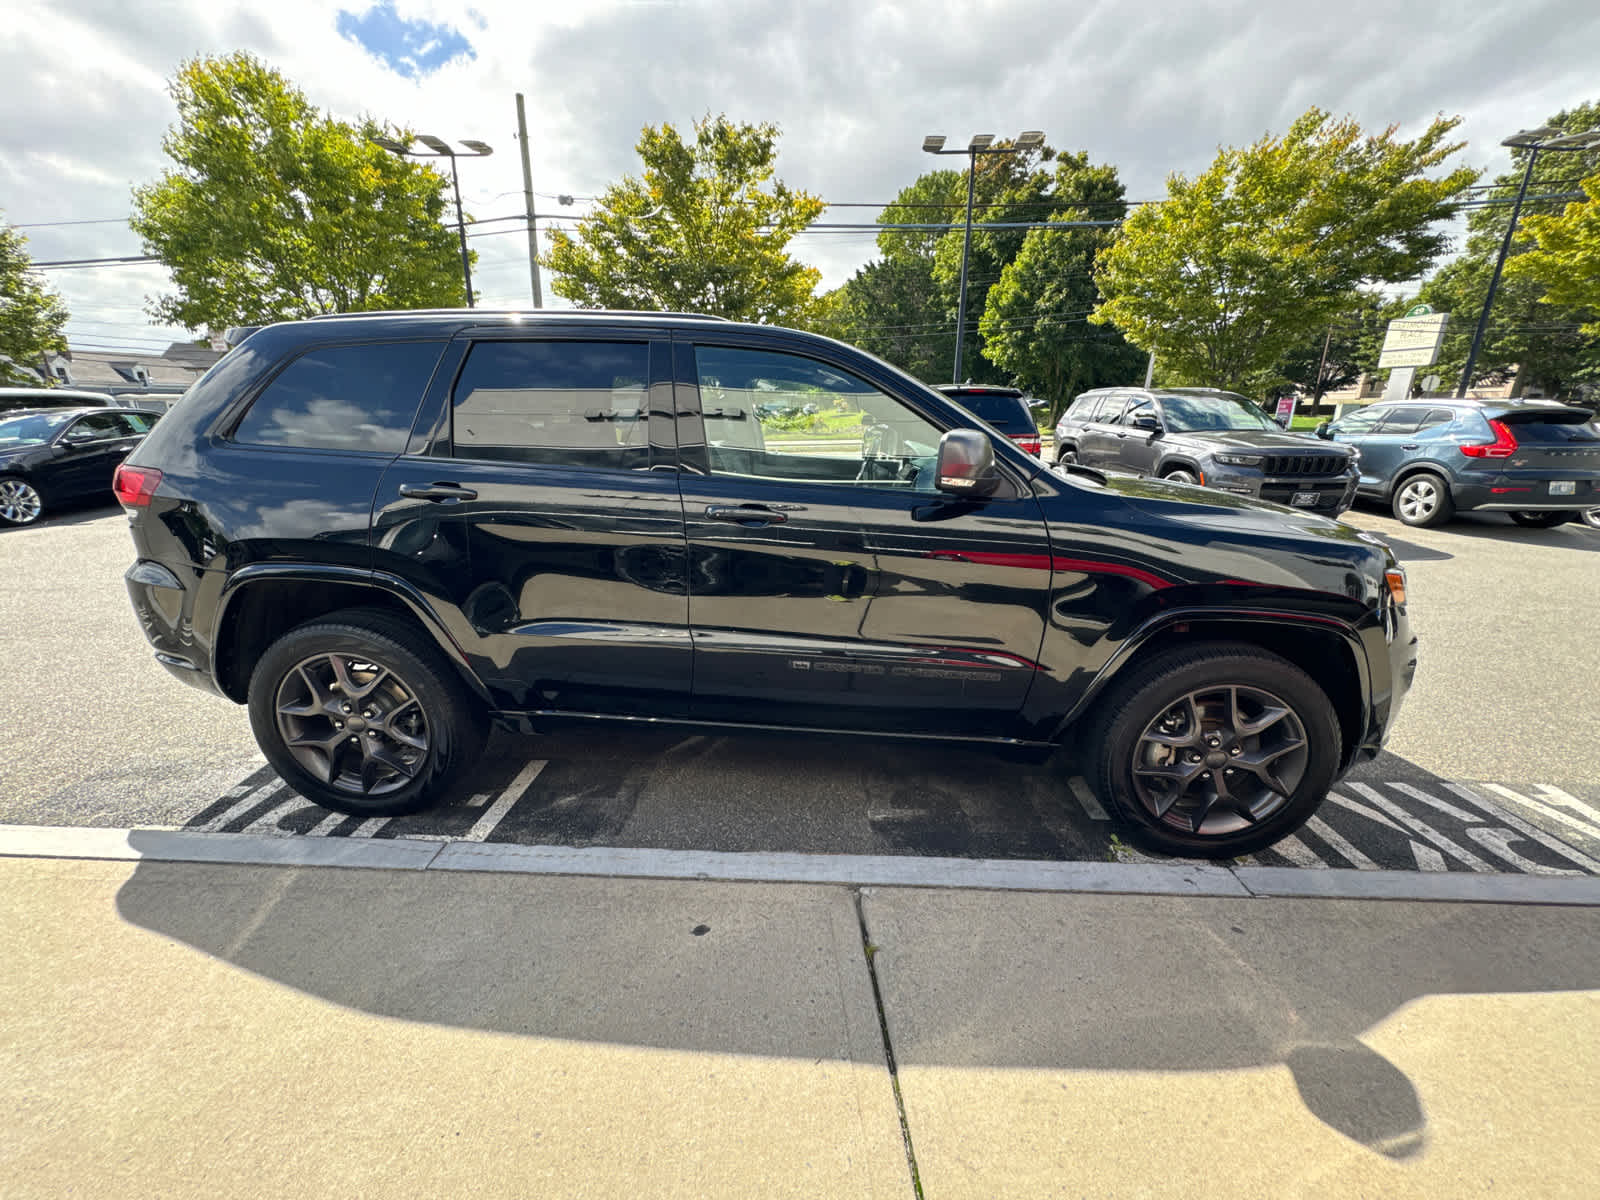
(381, 532)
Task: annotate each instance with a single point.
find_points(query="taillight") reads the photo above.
(1031, 444)
(1503, 446)
(135, 486)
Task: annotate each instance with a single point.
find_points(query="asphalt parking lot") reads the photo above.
(1492, 768)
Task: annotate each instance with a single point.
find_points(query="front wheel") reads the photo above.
(1540, 519)
(1423, 501)
(1180, 475)
(1215, 751)
(1066, 456)
(358, 712)
(20, 502)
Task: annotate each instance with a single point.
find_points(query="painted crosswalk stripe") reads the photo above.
(1297, 852)
(1464, 856)
(242, 805)
(1554, 795)
(1531, 832)
(485, 824)
(1444, 806)
(1540, 806)
(1428, 859)
(1340, 845)
(1086, 799)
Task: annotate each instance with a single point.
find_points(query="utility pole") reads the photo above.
(1316, 392)
(1150, 368)
(527, 197)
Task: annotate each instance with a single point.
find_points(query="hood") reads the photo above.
(1269, 440)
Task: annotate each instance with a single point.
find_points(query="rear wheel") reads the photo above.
(1540, 519)
(20, 502)
(1215, 750)
(359, 713)
(1590, 517)
(1423, 501)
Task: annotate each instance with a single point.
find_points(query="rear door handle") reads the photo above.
(746, 514)
(437, 491)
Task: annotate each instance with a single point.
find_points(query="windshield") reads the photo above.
(30, 430)
(1196, 414)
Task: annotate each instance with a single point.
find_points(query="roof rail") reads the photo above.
(518, 312)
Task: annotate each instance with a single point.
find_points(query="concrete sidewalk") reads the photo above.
(189, 1029)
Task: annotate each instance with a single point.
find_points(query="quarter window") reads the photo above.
(343, 398)
(570, 404)
(780, 416)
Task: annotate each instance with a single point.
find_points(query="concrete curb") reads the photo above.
(887, 870)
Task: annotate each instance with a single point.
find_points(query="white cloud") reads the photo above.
(1152, 87)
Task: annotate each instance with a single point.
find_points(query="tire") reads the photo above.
(1139, 745)
(1181, 475)
(1066, 456)
(1590, 517)
(1422, 501)
(1540, 520)
(20, 502)
(427, 729)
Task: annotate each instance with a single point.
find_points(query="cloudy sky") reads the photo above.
(1153, 86)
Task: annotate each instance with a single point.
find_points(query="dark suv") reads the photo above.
(1208, 437)
(381, 532)
(1004, 408)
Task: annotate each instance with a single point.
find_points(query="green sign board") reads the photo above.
(1419, 310)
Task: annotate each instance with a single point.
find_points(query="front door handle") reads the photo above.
(746, 514)
(1409, 446)
(440, 492)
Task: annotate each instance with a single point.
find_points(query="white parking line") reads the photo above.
(1428, 859)
(1532, 832)
(1340, 845)
(1298, 852)
(1444, 806)
(1545, 809)
(245, 802)
(1463, 856)
(485, 824)
(1086, 799)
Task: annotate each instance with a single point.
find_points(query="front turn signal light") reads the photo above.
(1396, 579)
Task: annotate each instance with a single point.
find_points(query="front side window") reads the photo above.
(100, 427)
(1360, 422)
(771, 415)
(343, 398)
(548, 403)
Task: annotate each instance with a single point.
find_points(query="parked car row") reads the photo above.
(51, 455)
(1536, 461)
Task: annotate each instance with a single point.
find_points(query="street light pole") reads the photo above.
(1533, 141)
(980, 144)
(439, 148)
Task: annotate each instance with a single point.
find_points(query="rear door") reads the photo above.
(830, 585)
(88, 452)
(539, 513)
(1099, 445)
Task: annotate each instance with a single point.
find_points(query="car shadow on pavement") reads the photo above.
(74, 512)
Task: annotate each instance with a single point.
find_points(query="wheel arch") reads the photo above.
(261, 603)
(1179, 462)
(1327, 650)
(1420, 467)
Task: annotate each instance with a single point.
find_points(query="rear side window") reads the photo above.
(1437, 418)
(1403, 420)
(343, 398)
(572, 404)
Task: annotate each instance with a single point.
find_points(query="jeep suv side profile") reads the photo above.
(1208, 437)
(382, 532)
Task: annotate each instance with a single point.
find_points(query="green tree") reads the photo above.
(1342, 351)
(273, 211)
(1566, 263)
(705, 228)
(1258, 252)
(32, 317)
(1035, 320)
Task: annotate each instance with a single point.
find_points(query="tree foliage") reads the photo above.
(32, 316)
(1541, 337)
(1343, 350)
(273, 211)
(704, 228)
(1566, 263)
(1259, 251)
(1035, 318)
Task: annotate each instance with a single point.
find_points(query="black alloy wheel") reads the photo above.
(1540, 518)
(20, 502)
(1216, 750)
(359, 713)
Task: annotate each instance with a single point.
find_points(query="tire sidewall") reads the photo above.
(1136, 707)
(44, 503)
(440, 705)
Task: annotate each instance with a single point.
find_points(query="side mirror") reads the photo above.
(966, 464)
(1148, 422)
(1325, 430)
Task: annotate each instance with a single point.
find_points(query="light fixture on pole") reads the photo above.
(981, 143)
(1546, 137)
(439, 148)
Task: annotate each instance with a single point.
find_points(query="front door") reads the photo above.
(88, 452)
(541, 514)
(1137, 448)
(830, 585)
